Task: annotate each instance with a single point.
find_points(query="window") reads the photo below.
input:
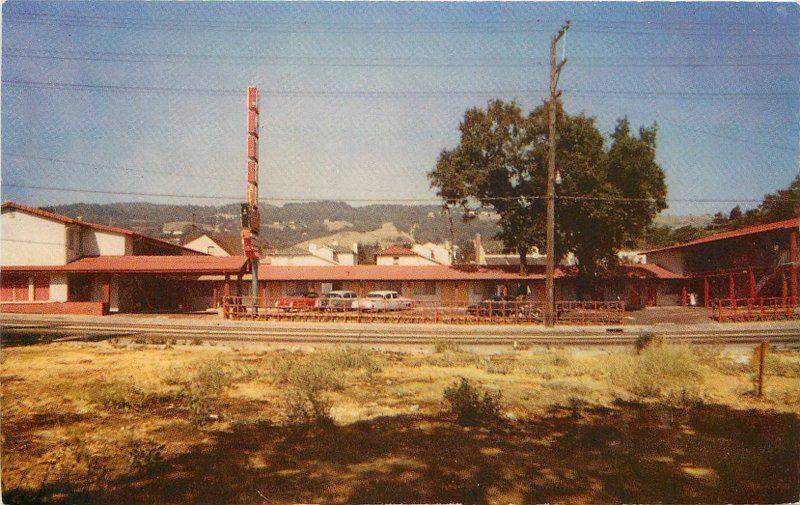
(210, 249)
(396, 260)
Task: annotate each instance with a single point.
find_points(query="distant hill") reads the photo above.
(289, 224)
(298, 223)
(673, 221)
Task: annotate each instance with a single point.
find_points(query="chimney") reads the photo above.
(479, 259)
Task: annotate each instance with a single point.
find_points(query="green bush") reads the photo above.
(471, 403)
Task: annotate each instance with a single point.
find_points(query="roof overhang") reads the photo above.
(175, 265)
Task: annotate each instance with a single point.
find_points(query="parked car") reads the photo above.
(381, 301)
(298, 301)
(336, 300)
(501, 306)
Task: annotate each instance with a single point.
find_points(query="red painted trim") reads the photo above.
(84, 308)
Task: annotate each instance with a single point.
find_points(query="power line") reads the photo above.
(397, 93)
(386, 200)
(589, 27)
(353, 62)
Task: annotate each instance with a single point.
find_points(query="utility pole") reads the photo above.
(555, 72)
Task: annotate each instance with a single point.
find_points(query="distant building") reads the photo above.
(314, 255)
(440, 253)
(398, 255)
(214, 244)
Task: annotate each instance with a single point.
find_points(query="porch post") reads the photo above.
(793, 258)
(706, 291)
(731, 287)
(684, 295)
(752, 280)
(106, 289)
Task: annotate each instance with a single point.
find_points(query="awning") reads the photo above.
(186, 265)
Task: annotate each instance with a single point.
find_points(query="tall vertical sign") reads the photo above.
(251, 221)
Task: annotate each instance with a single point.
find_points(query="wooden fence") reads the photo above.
(755, 309)
(511, 312)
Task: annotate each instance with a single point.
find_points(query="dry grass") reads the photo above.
(194, 422)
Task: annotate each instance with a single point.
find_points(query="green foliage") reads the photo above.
(471, 403)
(501, 161)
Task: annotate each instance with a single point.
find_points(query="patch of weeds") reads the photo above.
(780, 365)
(144, 455)
(443, 346)
(497, 366)
(118, 396)
(471, 403)
(197, 341)
(202, 392)
(667, 372)
(349, 359)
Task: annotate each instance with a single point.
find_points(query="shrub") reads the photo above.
(471, 403)
(144, 455)
(197, 341)
(305, 406)
(646, 340)
(445, 346)
(201, 394)
(349, 359)
(659, 371)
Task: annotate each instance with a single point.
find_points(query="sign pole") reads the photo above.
(251, 220)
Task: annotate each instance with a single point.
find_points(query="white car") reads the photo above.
(381, 301)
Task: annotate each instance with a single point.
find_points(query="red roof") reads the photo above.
(387, 273)
(396, 250)
(101, 227)
(649, 270)
(197, 265)
(750, 230)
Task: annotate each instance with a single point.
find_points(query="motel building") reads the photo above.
(55, 264)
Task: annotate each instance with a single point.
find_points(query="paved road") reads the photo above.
(212, 328)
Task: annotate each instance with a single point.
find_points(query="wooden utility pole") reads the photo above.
(555, 71)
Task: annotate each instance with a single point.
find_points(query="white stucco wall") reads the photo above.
(309, 260)
(102, 243)
(26, 239)
(405, 260)
(58, 288)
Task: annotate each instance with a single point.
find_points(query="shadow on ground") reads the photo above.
(630, 453)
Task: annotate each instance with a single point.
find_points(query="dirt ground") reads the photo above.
(187, 421)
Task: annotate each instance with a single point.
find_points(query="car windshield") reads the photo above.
(374, 295)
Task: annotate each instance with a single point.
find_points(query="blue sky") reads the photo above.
(713, 144)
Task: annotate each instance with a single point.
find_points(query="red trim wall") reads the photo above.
(84, 308)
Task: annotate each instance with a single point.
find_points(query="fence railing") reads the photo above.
(509, 312)
(755, 309)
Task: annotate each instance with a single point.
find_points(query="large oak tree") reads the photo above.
(610, 192)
